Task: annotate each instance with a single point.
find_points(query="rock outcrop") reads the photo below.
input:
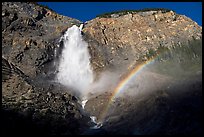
(129, 37)
(29, 35)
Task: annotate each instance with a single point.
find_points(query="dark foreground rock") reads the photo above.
(39, 108)
(176, 110)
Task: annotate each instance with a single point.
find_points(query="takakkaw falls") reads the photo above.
(136, 72)
(74, 69)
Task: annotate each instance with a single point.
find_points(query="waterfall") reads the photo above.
(74, 70)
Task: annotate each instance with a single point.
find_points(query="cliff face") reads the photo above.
(30, 37)
(120, 42)
(30, 104)
(132, 35)
(143, 30)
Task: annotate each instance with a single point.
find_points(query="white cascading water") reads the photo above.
(74, 69)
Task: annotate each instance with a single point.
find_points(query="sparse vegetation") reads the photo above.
(124, 12)
(179, 61)
(151, 53)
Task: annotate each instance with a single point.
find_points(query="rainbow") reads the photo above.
(122, 84)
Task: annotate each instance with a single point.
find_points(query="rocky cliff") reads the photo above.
(120, 41)
(29, 36)
(30, 39)
(129, 37)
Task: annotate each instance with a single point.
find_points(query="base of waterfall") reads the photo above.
(97, 124)
(152, 113)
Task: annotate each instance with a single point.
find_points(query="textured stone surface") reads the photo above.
(30, 103)
(126, 38)
(49, 107)
(29, 35)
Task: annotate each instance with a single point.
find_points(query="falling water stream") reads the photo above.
(74, 67)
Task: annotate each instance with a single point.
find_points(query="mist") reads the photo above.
(74, 69)
(181, 65)
(178, 64)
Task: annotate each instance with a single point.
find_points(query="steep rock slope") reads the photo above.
(30, 34)
(127, 38)
(121, 41)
